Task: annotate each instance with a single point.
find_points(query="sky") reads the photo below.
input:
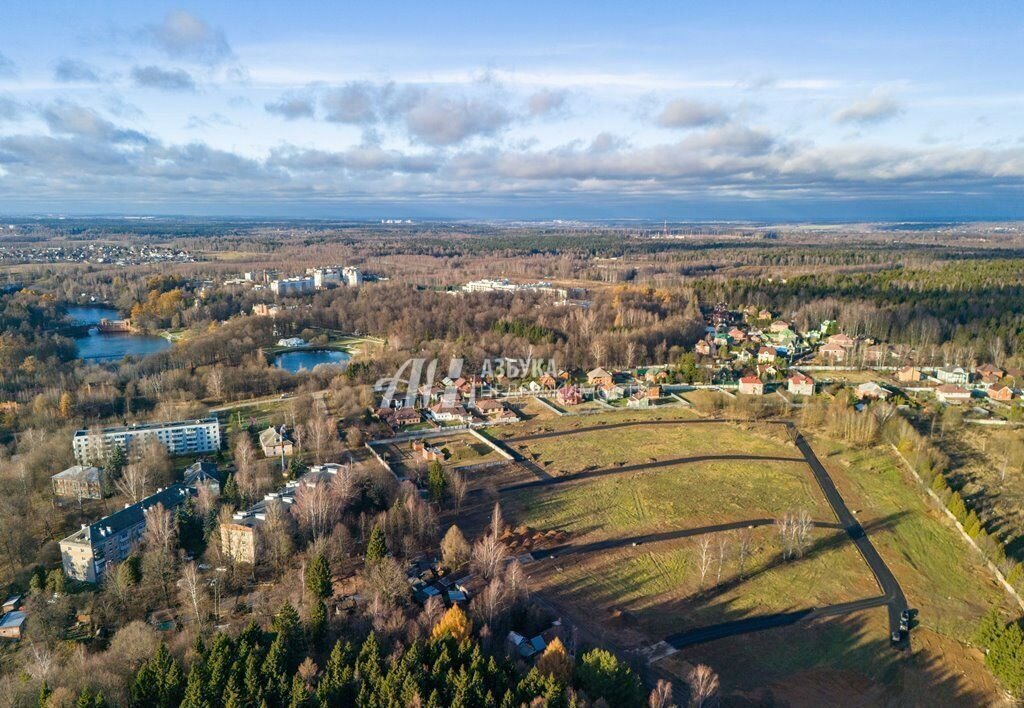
(789, 111)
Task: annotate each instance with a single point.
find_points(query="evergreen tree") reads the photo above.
(989, 629)
(44, 695)
(317, 625)
(88, 699)
(195, 689)
(229, 492)
(437, 482)
(1006, 659)
(602, 675)
(318, 577)
(377, 546)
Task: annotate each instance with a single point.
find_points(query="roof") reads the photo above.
(138, 427)
(12, 620)
(80, 473)
(801, 378)
(750, 380)
(133, 514)
(952, 389)
(598, 372)
(272, 435)
(199, 472)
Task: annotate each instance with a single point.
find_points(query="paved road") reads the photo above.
(891, 591)
(763, 622)
(892, 595)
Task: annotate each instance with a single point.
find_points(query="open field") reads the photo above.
(592, 443)
(679, 496)
(655, 589)
(529, 408)
(939, 573)
(636, 594)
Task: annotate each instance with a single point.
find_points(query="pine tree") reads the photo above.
(195, 689)
(437, 482)
(317, 624)
(989, 629)
(377, 546)
(44, 695)
(229, 493)
(1006, 659)
(602, 675)
(318, 577)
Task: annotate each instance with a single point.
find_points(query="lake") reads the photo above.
(308, 359)
(111, 346)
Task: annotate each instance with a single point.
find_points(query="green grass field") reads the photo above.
(593, 449)
(938, 572)
(680, 496)
(660, 585)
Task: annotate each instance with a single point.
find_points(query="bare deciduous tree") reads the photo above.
(315, 508)
(245, 465)
(722, 544)
(193, 590)
(661, 696)
(703, 685)
(704, 560)
(743, 546)
(457, 487)
(488, 556)
(133, 482)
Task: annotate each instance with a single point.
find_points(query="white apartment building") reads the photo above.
(352, 277)
(184, 437)
(292, 286)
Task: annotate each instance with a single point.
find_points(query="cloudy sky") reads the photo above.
(764, 110)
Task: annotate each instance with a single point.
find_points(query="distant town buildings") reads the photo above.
(488, 285)
(287, 287)
(186, 437)
(87, 553)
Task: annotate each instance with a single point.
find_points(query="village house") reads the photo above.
(751, 386)
(78, 482)
(834, 352)
(657, 374)
(449, 413)
(406, 416)
(705, 348)
(275, 442)
(845, 341)
(909, 374)
(952, 375)
(11, 624)
(990, 370)
(999, 392)
(871, 391)
(495, 411)
(766, 355)
(428, 453)
(638, 400)
(778, 326)
(548, 381)
(989, 379)
(569, 396)
(599, 377)
(951, 394)
(737, 334)
(800, 385)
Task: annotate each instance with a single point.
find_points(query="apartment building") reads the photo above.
(87, 553)
(183, 437)
(292, 286)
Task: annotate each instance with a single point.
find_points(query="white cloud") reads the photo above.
(688, 113)
(182, 35)
(876, 108)
(163, 79)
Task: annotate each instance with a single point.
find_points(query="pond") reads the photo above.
(308, 359)
(110, 346)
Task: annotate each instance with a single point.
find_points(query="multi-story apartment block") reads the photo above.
(87, 553)
(292, 286)
(184, 437)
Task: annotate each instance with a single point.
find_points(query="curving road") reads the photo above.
(892, 595)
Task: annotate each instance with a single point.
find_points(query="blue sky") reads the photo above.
(741, 110)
